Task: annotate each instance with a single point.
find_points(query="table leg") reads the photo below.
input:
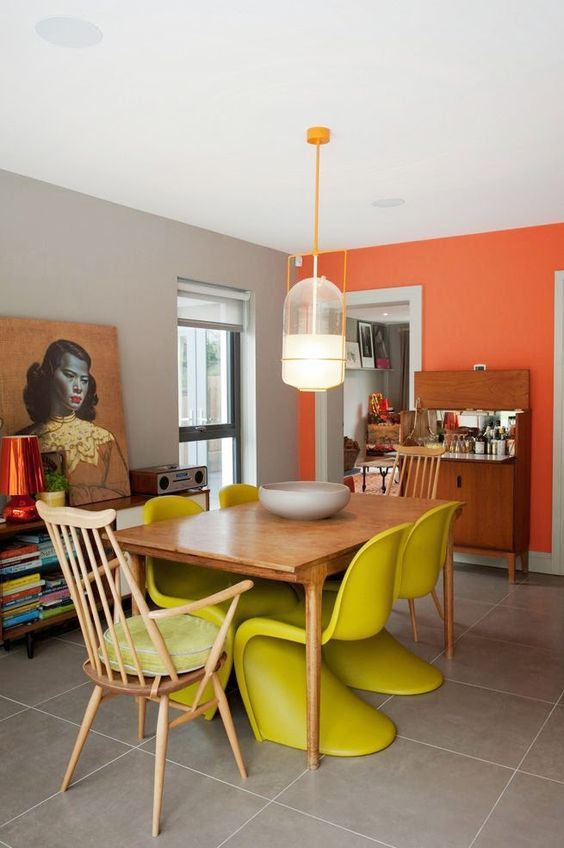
(448, 581)
(383, 475)
(364, 478)
(313, 598)
(137, 565)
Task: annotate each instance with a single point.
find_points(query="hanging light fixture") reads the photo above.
(313, 346)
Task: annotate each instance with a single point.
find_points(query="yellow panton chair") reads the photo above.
(172, 584)
(237, 493)
(381, 663)
(270, 660)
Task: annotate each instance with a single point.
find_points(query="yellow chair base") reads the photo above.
(179, 584)
(274, 671)
(381, 664)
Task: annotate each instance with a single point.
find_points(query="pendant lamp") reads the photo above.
(313, 346)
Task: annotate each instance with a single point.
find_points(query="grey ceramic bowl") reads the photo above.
(304, 500)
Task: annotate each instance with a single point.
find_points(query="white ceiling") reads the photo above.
(389, 313)
(198, 111)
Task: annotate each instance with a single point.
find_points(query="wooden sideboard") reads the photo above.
(495, 490)
(129, 513)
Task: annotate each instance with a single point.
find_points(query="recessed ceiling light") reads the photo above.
(69, 32)
(385, 314)
(386, 202)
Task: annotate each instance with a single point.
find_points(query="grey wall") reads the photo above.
(71, 257)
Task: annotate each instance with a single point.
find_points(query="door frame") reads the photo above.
(558, 428)
(328, 443)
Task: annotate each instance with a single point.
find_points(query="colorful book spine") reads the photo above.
(22, 618)
(20, 568)
(18, 582)
(15, 551)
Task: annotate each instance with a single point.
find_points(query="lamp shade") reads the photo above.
(313, 347)
(21, 470)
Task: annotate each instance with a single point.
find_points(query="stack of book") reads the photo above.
(56, 598)
(44, 544)
(20, 583)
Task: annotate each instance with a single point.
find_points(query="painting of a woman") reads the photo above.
(60, 397)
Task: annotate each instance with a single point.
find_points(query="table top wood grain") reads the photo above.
(250, 535)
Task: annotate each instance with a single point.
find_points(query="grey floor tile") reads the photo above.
(203, 745)
(510, 667)
(546, 757)
(466, 612)
(278, 827)
(113, 808)
(472, 721)
(410, 795)
(8, 708)
(73, 636)
(431, 639)
(35, 751)
(116, 717)
(55, 668)
(523, 626)
(530, 813)
(481, 583)
(541, 596)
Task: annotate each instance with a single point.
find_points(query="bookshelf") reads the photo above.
(129, 513)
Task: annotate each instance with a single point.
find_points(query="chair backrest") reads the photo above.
(425, 551)
(237, 493)
(349, 482)
(91, 559)
(164, 507)
(368, 589)
(418, 471)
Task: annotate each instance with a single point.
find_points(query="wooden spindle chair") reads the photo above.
(130, 656)
(416, 473)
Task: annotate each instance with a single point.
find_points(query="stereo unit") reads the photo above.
(168, 479)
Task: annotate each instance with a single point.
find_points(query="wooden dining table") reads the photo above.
(251, 541)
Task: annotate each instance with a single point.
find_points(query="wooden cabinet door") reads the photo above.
(487, 491)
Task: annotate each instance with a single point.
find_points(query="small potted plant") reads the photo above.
(56, 488)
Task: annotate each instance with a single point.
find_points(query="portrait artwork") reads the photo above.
(61, 382)
(365, 342)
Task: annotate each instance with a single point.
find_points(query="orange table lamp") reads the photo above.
(21, 476)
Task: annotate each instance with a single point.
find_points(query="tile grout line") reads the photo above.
(258, 812)
(18, 712)
(77, 724)
(542, 776)
(60, 694)
(333, 824)
(500, 691)
(74, 783)
(211, 776)
(521, 761)
(452, 751)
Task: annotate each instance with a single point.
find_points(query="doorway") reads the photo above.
(329, 406)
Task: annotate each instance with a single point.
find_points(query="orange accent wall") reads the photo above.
(487, 298)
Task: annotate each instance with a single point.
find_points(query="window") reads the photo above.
(211, 320)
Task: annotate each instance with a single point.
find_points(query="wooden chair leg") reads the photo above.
(141, 712)
(437, 603)
(160, 761)
(411, 603)
(225, 714)
(89, 716)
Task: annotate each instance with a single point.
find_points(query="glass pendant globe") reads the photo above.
(313, 347)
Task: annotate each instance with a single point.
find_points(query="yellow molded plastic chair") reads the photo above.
(381, 663)
(172, 584)
(270, 659)
(237, 493)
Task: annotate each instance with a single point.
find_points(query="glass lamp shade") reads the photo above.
(313, 347)
(21, 475)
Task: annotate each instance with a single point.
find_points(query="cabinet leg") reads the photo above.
(525, 562)
(510, 559)
(29, 645)
(7, 644)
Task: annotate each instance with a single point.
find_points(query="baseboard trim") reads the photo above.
(539, 561)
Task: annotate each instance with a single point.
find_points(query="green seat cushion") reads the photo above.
(189, 641)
